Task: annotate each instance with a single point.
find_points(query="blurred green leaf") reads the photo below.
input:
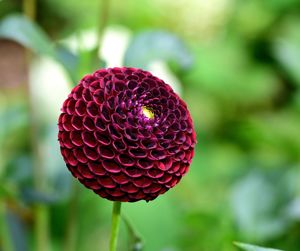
(260, 203)
(248, 247)
(20, 29)
(150, 46)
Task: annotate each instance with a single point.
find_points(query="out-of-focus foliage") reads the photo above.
(239, 66)
(21, 30)
(151, 46)
(247, 247)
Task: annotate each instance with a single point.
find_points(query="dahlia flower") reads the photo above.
(126, 135)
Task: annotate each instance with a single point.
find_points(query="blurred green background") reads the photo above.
(237, 65)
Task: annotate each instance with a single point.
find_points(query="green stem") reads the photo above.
(115, 225)
(41, 227)
(41, 211)
(29, 8)
(5, 240)
(103, 20)
(72, 222)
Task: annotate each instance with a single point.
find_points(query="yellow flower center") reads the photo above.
(147, 112)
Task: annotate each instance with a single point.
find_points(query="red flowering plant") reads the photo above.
(126, 135)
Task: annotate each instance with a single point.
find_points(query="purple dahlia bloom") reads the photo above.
(126, 135)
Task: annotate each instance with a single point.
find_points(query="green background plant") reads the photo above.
(238, 68)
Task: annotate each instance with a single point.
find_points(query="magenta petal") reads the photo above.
(129, 188)
(111, 166)
(97, 168)
(89, 139)
(106, 182)
(153, 188)
(106, 152)
(125, 160)
(85, 172)
(120, 178)
(142, 181)
(90, 153)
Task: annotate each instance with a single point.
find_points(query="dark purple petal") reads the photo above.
(96, 168)
(111, 166)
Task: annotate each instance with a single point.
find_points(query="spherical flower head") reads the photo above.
(126, 135)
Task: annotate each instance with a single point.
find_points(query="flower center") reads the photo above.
(147, 112)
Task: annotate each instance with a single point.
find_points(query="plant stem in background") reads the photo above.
(41, 212)
(72, 222)
(5, 240)
(29, 9)
(103, 20)
(5, 237)
(115, 225)
(41, 227)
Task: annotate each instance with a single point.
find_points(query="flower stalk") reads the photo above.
(29, 8)
(41, 211)
(5, 238)
(116, 215)
(102, 23)
(70, 242)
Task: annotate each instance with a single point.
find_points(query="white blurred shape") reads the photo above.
(161, 70)
(114, 45)
(293, 209)
(85, 40)
(49, 87)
